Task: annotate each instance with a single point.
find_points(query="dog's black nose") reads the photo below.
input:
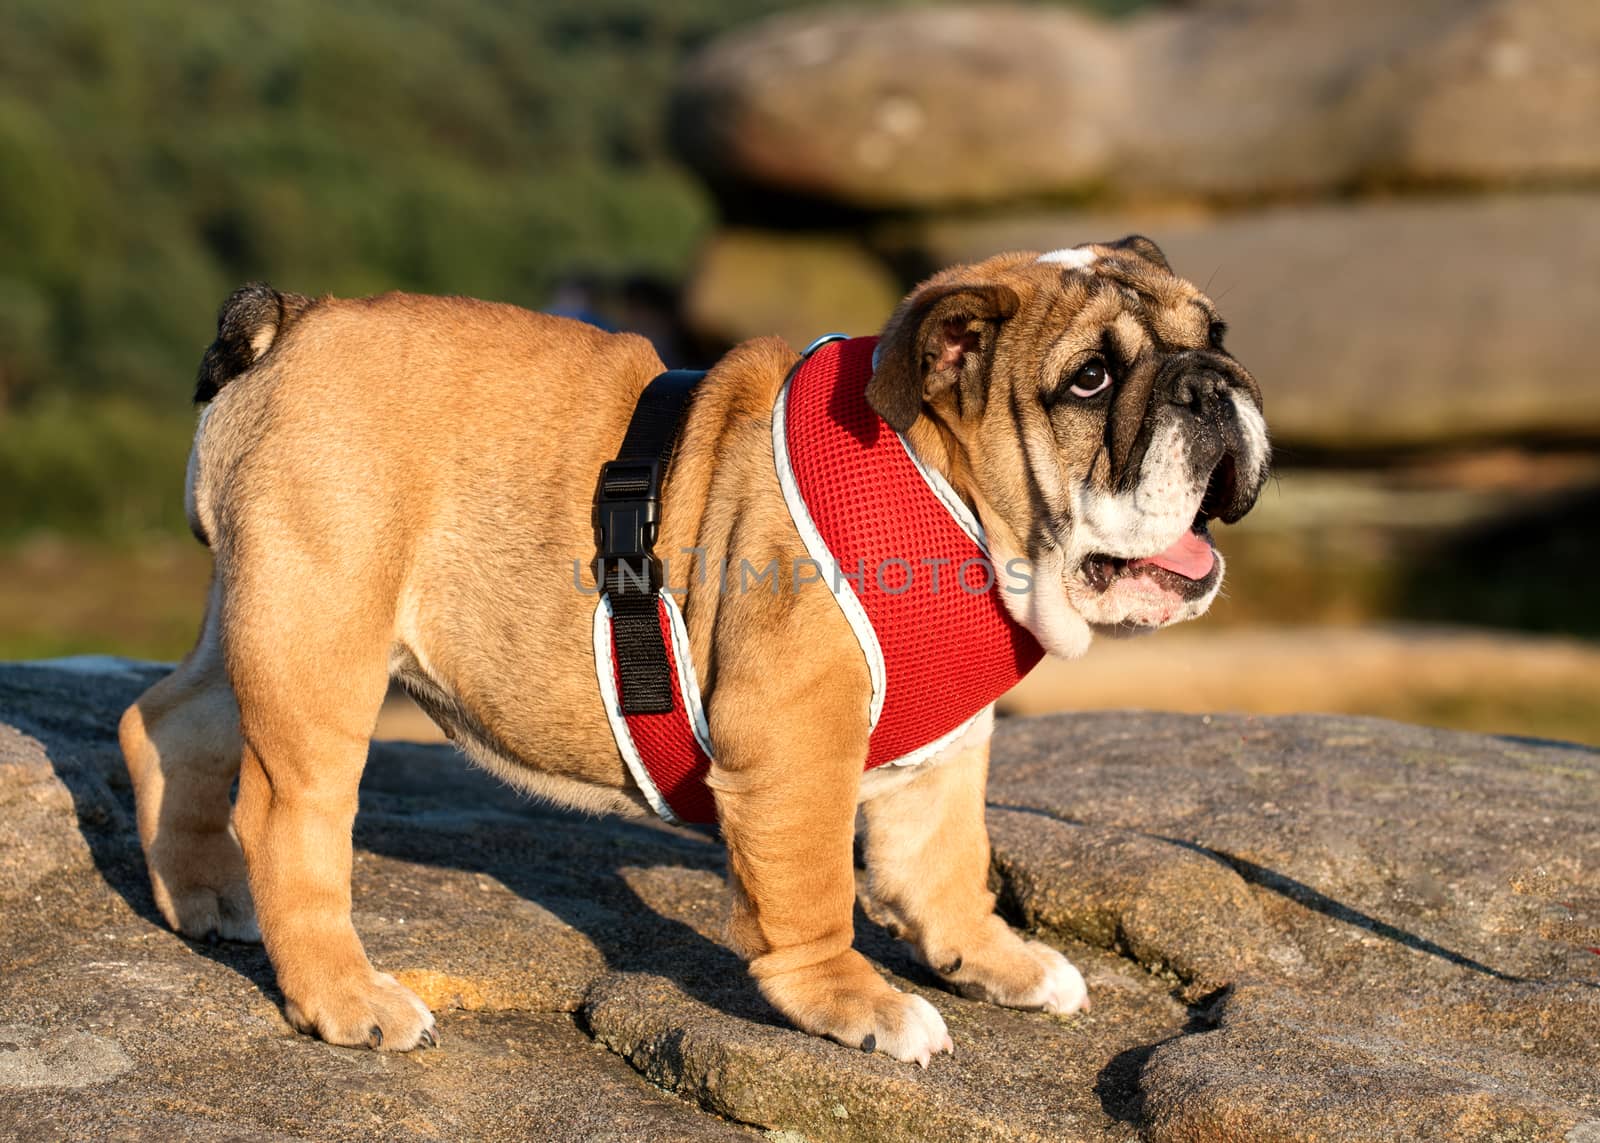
(1196, 388)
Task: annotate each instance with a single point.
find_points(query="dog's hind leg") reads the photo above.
(181, 744)
(309, 664)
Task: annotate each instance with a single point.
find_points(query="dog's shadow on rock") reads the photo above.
(420, 804)
(73, 712)
(427, 805)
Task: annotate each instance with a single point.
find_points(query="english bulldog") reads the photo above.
(395, 488)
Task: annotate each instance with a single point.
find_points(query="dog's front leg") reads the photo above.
(786, 791)
(928, 868)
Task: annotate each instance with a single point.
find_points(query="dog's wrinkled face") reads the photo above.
(1091, 410)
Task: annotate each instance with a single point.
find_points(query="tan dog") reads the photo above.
(398, 488)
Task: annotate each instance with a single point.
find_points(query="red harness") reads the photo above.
(904, 558)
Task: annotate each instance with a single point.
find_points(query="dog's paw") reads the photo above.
(201, 888)
(1017, 973)
(847, 1001)
(378, 1012)
(213, 915)
(907, 1028)
(1061, 990)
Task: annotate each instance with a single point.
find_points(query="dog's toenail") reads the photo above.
(953, 967)
(429, 1040)
(870, 1044)
(375, 1036)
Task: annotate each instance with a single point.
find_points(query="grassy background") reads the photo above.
(155, 155)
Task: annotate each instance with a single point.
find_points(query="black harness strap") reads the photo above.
(627, 517)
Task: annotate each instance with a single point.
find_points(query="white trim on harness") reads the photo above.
(688, 684)
(922, 753)
(817, 548)
(948, 496)
(688, 687)
(605, 671)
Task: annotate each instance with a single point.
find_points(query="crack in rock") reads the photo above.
(1170, 909)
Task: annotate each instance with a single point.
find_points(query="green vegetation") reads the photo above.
(108, 467)
(155, 155)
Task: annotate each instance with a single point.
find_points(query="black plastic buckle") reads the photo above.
(628, 511)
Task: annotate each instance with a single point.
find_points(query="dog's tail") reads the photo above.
(248, 323)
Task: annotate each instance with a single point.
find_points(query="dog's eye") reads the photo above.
(1218, 330)
(1090, 379)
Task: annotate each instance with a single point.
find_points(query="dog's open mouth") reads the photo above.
(1188, 565)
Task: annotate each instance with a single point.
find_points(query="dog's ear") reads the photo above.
(1142, 246)
(940, 338)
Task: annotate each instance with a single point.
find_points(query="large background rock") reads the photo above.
(1430, 323)
(1401, 322)
(903, 107)
(1293, 928)
(914, 107)
(1296, 96)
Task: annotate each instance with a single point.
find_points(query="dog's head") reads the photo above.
(1091, 410)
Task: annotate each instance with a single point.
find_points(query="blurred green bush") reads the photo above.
(155, 155)
(107, 468)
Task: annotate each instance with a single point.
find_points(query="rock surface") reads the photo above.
(1293, 928)
(915, 107)
(1401, 323)
(901, 107)
(1406, 322)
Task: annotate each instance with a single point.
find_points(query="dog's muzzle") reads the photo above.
(1225, 430)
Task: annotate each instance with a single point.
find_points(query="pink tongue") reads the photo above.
(1191, 557)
